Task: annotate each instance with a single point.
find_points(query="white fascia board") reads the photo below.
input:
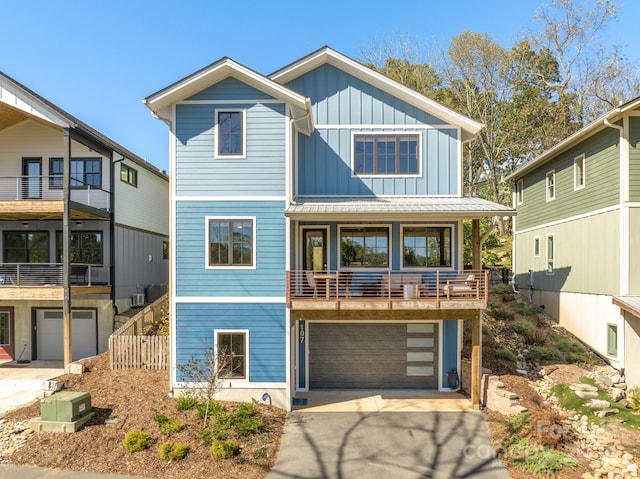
(327, 55)
(221, 70)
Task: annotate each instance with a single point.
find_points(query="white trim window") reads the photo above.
(579, 172)
(520, 191)
(365, 246)
(426, 246)
(536, 246)
(231, 134)
(386, 154)
(230, 242)
(551, 254)
(232, 353)
(551, 185)
(612, 340)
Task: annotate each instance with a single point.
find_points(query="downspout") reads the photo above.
(112, 234)
(624, 242)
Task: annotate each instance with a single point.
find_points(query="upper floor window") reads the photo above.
(551, 185)
(386, 154)
(426, 246)
(86, 247)
(231, 242)
(128, 175)
(230, 134)
(520, 191)
(578, 172)
(84, 172)
(365, 246)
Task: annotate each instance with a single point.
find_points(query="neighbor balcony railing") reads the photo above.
(419, 286)
(47, 188)
(51, 274)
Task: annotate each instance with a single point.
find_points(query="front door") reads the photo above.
(32, 178)
(314, 249)
(6, 333)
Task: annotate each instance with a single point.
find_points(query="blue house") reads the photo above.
(316, 229)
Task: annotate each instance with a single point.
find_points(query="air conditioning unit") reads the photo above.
(137, 300)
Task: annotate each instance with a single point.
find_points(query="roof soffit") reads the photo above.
(329, 56)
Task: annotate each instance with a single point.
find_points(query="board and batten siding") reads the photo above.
(634, 159)
(342, 105)
(587, 255)
(634, 250)
(146, 206)
(192, 277)
(263, 170)
(602, 183)
(267, 334)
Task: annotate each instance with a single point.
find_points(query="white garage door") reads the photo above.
(50, 337)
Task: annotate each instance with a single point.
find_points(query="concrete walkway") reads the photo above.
(8, 471)
(20, 384)
(386, 445)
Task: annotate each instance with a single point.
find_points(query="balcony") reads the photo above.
(46, 280)
(41, 197)
(385, 290)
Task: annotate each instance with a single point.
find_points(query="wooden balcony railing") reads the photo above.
(428, 289)
(50, 274)
(47, 188)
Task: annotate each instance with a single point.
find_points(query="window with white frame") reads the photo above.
(520, 191)
(232, 354)
(128, 175)
(551, 253)
(230, 133)
(612, 339)
(551, 185)
(364, 247)
(426, 246)
(230, 242)
(386, 154)
(579, 172)
(536, 247)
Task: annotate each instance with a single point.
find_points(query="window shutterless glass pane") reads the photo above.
(612, 340)
(231, 236)
(386, 154)
(230, 134)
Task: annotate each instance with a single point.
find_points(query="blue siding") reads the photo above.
(195, 325)
(192, 279)
(230, 89)
(449, 349)
(261, 173)
(324, 158)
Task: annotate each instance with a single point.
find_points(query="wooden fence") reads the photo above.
(130, 349)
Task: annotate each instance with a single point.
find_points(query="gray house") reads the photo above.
(577, 235)
(118, 228)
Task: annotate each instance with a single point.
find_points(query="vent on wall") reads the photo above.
(137, 300)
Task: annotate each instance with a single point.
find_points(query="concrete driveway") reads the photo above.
(20, 384)
(386, 445)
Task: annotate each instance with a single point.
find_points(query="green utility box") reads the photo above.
(65, 406)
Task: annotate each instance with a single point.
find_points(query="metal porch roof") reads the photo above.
(629, 303)
(450, 207)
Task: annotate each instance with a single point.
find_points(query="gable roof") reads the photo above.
(592, 128)
(221, 70)
(17, 103)
(327, 55)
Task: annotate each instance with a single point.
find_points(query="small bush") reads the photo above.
(214, 408)
(567, 345)
(519, 424)
(172, 426)
(170, 451)
(137, 441)
(186, 403)
(633, 396)
(246, 409)
(502, 288)
(527, 309)
(249, 425)
(160, 418)
(540, 336)
(486, 330)
(508, 298)
(224, 449)
(260, 453)
(544, 462)
(210, 434)
(506, 355)
(501, 314)
(523, 328)
(540, 353)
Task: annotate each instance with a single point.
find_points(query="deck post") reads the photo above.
(476, 359)
(476, 251)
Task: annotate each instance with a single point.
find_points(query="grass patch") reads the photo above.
(506, 355)
(544, 461)
(501, 314)
(527, 309)
(569, 400)
(541, 353)
(523, 328)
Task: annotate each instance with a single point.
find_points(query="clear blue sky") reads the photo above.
(97, 59)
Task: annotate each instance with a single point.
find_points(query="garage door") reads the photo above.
(50, 337)
(373, 356)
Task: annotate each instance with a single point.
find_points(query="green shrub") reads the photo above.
(186, 403)
(224, 449)
(567, 345)
(544, 462)
(160, 418)
(540, 353)
(248, 425)
(215, 408)
(523, 328)
(137, 441)
(527, 309)
(210, 434)
(501, 314)
(508, 298)
(579, 358)
(506, 355)
(260, 453)
(246, 409)
(633, 396)
(519, 422)
(486, 330)
(172, 426)
(170, 451)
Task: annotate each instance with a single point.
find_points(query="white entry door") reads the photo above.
(50, 337)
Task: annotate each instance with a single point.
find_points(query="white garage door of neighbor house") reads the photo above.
(49, 334)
